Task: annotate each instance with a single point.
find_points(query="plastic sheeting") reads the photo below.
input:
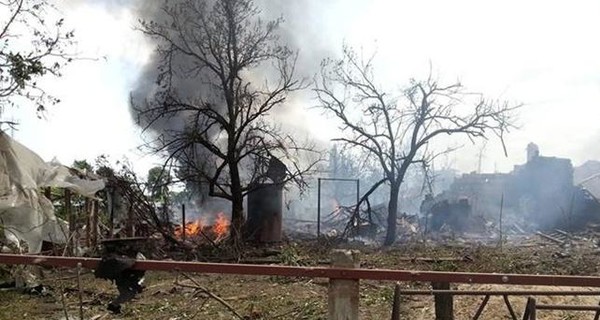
(26, 214)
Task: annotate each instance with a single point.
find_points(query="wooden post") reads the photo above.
(111, 211)
(396, 306)
(71, 218)
(88, 229)
(344, 293)
(443, 302)
(130, 226)
(94, 223)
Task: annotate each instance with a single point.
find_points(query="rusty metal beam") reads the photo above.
(317, 272)
(481, 307)
(509, 307)
(566, 307)
(500, 292)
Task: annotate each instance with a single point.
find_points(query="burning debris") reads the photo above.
(201, 229)
(191, 229)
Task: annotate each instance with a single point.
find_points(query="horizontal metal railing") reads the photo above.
(334, 273)
(316, 272)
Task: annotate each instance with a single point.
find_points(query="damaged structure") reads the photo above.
(26, 214)
(538, 195)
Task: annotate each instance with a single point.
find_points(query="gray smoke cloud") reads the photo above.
(305, 29)
(301, 31)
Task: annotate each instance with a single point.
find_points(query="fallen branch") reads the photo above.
(80, 291)
(564, 233)
(545, 236)
(295, 311)
(207, 238)
(207, 292)
(64, 304)
(433, 260)
(198, 309)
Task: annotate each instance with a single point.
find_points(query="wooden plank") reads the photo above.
(343, 294)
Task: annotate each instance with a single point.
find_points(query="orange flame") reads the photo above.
(221, 226)
(218, 231)
(191, 228)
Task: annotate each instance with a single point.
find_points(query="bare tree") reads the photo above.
(396, 131)
(32, 44)
(222, 72)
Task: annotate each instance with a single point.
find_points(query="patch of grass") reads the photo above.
(291, 256)
(448, 266)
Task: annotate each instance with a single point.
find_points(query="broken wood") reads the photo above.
(551, 238)
(80, 291)
(518, 228)
(72, 221)
(564, 233)
(208, 293)
(434, 260)
(94, 207)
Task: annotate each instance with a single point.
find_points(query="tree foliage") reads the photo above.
(33, 43)
(158, 182)
(83, 165)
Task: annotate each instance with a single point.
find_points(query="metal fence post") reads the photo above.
(529, 313)
(183, 221)
(443, 302)
(319, 208)
(396, 305)
(343, 295)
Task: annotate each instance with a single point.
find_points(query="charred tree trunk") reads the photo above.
(390, 235)
(237, 203)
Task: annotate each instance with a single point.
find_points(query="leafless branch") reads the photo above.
(397, 131)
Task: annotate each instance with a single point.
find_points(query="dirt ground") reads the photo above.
(255, 297)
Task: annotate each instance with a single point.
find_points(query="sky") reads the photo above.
(543, 54)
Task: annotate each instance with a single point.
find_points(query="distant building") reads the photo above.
(539, 193)
(543, 189)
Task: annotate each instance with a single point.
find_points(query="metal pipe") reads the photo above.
(500, 292)
(513, 315)
(318, 272)
(183, 221)
(357, 193)
(481, 307)
(566, 307)
(530, 309)
(319, 208)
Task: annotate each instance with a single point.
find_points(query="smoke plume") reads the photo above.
(300, 31)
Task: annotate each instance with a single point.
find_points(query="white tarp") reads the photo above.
(26, 214)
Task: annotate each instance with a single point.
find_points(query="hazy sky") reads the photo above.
(545, 54)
